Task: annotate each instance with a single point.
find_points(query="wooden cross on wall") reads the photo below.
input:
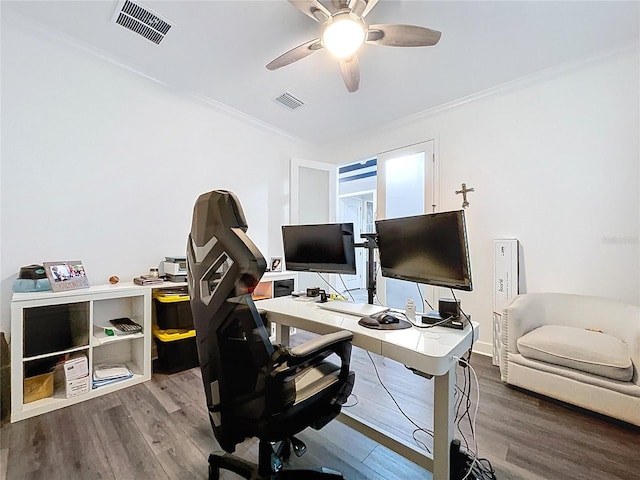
(464, 191)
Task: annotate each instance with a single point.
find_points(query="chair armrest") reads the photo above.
(321, 347)
(318, 345)
(314, 351)
(288, 364)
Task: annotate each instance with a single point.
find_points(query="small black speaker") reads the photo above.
(449, 307)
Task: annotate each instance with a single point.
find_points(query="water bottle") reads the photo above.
(410, 310)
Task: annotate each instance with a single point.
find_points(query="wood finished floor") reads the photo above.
(159, 430)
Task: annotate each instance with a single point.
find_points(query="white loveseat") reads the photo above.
(582, 350)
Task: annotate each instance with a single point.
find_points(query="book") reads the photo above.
(102, 383)
(110, 371)
(148, 280)
(107, 374)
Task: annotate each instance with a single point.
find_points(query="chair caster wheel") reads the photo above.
(214, 473)
(276, 463)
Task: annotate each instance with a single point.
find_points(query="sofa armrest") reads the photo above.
(524, 314)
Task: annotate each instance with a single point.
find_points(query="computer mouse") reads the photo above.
(387, 319)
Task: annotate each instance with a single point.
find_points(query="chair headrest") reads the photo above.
(216, 210)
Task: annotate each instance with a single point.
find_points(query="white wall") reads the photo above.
(103, 165)
(554, 163)
(84, 143)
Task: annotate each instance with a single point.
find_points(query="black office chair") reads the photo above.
(253, 388)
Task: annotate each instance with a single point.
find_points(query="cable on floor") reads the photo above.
(418, 427)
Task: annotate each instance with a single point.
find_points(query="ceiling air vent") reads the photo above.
(142, 21)
(289, 101)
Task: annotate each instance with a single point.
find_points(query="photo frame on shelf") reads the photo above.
(275, 264)
(66, 275)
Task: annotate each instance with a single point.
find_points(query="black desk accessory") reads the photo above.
(434, 318)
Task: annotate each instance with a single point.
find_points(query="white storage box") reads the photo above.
(76, 367)
(78, 386)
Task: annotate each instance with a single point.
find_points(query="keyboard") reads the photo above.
(351, 308)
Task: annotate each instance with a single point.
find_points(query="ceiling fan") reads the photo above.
(344, 31)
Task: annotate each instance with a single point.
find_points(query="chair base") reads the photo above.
(269, 467)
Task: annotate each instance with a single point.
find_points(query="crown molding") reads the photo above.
(526, 81)
(38, 29)
(520, 83)
(550, 73)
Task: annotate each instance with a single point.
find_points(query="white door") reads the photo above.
(352, 210)
(312, 200)
(406, 186)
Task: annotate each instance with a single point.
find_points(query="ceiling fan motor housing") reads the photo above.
(343, 34)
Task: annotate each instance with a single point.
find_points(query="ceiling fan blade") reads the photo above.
(312, 8)
(402, 36)
(295, 54)
(350, 69)
(338, 5)
(362, 7)
(357, 7)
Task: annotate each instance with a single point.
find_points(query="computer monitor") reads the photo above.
(324, 248)
(431, 249)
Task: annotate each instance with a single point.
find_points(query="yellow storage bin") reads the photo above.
(38, 387)
(173, 310)
(177, 349)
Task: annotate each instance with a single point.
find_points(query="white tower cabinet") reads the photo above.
(505, 286)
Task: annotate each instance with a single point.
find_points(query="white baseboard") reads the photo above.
(483, 348)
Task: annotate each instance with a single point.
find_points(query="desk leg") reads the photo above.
(443, 405)
(282, 335)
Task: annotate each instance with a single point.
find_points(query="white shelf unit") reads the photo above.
(274, 284)
(271, 285)
(36, 318)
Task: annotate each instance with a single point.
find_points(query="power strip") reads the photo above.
(461, 463)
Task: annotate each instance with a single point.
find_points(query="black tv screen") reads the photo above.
(324, 248)
(430, 249)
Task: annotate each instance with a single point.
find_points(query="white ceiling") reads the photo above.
(219, 49)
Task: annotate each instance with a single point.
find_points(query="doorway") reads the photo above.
(357, 209)
(356, 204)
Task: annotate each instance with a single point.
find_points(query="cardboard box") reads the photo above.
(78, 386)
(76, 367)
(38, 387)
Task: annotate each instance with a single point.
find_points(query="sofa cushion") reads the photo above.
(585, 350)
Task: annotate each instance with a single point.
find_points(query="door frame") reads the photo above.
(294, 182)
(305, 279)
(431, 197)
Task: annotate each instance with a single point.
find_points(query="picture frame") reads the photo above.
(275, 264)
(66, 275)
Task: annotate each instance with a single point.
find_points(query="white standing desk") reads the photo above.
(430, 351)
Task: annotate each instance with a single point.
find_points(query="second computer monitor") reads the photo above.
(324, 248)
(431, 249)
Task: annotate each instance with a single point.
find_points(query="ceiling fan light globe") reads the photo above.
(343, 35)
